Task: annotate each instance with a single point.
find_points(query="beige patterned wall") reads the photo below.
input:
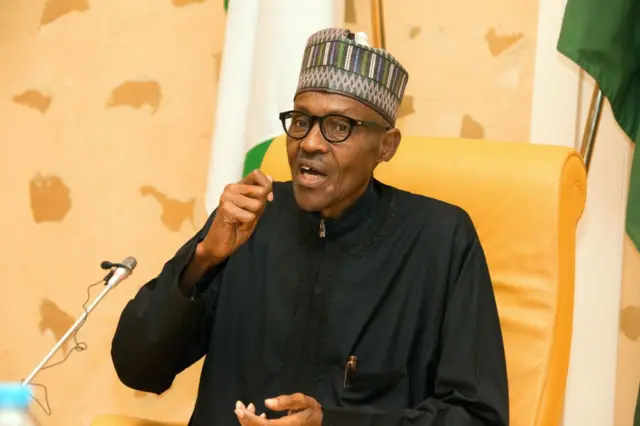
(470, 64)
(106, 113)
(629, 344)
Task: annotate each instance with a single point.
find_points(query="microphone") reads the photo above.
(122, 272)
(105, 264)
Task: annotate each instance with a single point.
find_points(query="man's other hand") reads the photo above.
(301, 410)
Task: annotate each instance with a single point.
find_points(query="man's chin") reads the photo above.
(309, 201)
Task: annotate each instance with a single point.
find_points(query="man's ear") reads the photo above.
(389, 145)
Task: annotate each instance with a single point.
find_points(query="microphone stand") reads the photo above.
(110, 283)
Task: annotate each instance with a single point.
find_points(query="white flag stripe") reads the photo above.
(234, 90)
(261, 76)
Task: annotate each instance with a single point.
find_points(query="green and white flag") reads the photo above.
(603, 38)
(261, 60)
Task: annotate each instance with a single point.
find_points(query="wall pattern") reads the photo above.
(108, 110)
(628, 378)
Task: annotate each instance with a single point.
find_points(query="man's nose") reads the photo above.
(315, 142)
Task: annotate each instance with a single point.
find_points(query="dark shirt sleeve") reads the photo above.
(470, 387)
(161, 331)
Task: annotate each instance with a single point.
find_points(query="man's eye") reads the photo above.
(299, 122)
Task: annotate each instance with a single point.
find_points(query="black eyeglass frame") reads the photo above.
(320, 119)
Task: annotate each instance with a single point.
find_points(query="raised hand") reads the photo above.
(240, 208)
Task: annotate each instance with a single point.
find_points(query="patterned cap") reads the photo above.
(337, 61)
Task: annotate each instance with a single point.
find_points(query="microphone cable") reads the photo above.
(78, 346)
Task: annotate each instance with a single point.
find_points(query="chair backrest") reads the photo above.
(525, 201)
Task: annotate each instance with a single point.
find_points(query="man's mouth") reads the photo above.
(311, 177)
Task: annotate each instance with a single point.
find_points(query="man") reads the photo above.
(332, 299)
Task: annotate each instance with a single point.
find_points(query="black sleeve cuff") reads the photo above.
(201, 287)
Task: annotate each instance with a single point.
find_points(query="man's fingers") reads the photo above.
(232, 214)
(250, 204)
(296, 419)
(240, 415)
(256, 177)
(293, 402)
(253, 191)
(247, 418)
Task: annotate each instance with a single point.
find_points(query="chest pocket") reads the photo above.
(383, 388)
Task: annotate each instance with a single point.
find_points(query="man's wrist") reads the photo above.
(204, 259)
(201, 262)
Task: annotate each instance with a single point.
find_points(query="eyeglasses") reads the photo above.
(334, 127)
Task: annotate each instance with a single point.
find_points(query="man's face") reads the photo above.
(328, 177)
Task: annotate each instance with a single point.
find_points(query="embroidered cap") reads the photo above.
(339, 61)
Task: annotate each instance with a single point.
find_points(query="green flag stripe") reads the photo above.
(624, 106)
(603, 38)
(253, 159)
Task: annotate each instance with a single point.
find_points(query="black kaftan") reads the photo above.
(400, 282)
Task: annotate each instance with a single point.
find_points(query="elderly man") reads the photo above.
(334, 298)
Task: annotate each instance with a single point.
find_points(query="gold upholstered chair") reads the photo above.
(525, 201)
